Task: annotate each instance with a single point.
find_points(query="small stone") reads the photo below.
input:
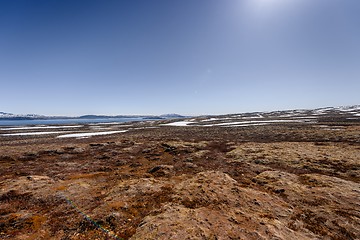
(162, 170)
(279, 190)
(190, 165)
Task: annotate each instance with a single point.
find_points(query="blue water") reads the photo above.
(67, 121)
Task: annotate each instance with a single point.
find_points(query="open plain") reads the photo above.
(279, 175)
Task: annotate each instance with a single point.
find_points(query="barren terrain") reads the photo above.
(275, 176)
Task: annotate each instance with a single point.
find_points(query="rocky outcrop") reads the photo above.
(212, 205)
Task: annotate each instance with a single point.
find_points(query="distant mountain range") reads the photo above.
(326, 111)
(318, 112)
(11, 116)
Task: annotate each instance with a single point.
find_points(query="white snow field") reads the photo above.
(178, 124)
(252, 122)
(89, 134)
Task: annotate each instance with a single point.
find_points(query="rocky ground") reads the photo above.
(285, 180)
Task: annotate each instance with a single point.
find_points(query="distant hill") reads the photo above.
(172, 115)
(321, 112)
(11, 116)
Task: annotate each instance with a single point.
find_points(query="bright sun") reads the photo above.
(269, 3)
(269, 6)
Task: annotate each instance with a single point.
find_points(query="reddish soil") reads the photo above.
(288, 181)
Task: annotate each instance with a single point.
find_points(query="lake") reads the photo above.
(68, 121)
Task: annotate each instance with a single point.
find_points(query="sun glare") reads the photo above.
(268, 8)
(272, 4)
(268, 2)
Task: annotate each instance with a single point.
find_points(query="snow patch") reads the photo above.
(210, 119)
(110, 123)
(178, 124)
(142, 128)
(252, 117)
(305, 117)
(248, 125)
(97, 128)
(89, 134)
(250, 122)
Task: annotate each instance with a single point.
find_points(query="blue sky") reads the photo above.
(73, 57)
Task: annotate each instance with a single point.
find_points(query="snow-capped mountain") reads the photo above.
(318, 112)
(4, 115)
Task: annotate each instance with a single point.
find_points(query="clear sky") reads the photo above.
(73, 57)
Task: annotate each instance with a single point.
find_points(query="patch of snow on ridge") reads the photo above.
(247, 125)
(250, 122)
(142, 128)
(120, 124)
(250, 117)
(178, 124)
(89, 134)
(99, 128)
(305, 117)
(287, 115)
(216, 119)
(210, 119)
(30, 133)
(348, 108)
(324, 109)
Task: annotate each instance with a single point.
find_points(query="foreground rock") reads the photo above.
(212, 205)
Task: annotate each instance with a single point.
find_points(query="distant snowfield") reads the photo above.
(178, 124)
(121, 124)
(305, 117)
(235, 123)
(216, 119)
(251, 122)
(30, 133)
(89, 134)
(41, 127)
(211, 119)
(98, 128)
(250, 117)
(247, 125)
(347, 109)
(142, 128)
